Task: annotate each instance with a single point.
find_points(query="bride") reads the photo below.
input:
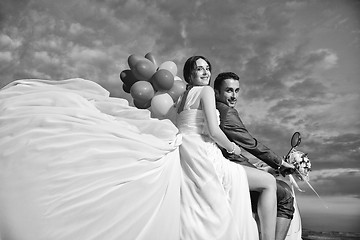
(215, 201)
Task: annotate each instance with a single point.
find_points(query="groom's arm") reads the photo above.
(236, 131)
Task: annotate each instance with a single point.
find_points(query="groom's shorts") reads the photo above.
(285, 200)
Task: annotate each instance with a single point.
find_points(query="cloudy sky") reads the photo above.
(299, 63)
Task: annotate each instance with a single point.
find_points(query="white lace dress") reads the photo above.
(215, 201)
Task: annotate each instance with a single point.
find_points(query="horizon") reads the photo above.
(298, 62)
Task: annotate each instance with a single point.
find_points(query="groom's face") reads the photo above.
(229, 92)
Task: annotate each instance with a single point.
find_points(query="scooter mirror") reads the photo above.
(295, 139)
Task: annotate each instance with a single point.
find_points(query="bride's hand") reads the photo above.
(237, 150)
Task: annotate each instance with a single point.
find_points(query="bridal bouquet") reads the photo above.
(302, 166)
(301, 163)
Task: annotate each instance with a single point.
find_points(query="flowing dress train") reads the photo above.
(215, 200)
(78, 164)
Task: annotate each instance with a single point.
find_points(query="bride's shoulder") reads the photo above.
(207, 93)
(207, 90)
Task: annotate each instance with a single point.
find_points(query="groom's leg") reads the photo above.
(285, 209)
(282, 227)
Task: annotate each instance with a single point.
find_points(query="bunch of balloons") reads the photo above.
(152, 86)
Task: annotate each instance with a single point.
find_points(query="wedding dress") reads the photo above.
(215, 200)
(78, 164)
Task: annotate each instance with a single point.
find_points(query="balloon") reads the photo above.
(151, 57)
(162, 80)
(178, 88)
(134, 59)
(128, 77)
(144, 69)
(161, 104)
(142, 91)
(142, 105)
(170, 66)
(126, 88)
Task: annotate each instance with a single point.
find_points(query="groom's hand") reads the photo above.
(286, 168)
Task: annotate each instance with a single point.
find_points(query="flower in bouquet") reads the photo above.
(301, 163)
(302, 166)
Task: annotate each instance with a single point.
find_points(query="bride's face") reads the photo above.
(201, 74)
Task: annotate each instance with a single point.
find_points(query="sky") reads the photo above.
(299, 64)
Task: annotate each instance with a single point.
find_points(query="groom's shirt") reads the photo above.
(235, 130)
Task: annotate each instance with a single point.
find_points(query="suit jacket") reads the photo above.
(236, 131)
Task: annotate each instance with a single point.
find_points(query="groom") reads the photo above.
(227, 88)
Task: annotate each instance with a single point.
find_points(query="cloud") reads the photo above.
(309, 88)
(295, 96)
(8, 43)
(332, 173)
(295, 4)
(330, 182)
(324, 58)
(5, 57)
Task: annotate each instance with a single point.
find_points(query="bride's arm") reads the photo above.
(208, 104)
